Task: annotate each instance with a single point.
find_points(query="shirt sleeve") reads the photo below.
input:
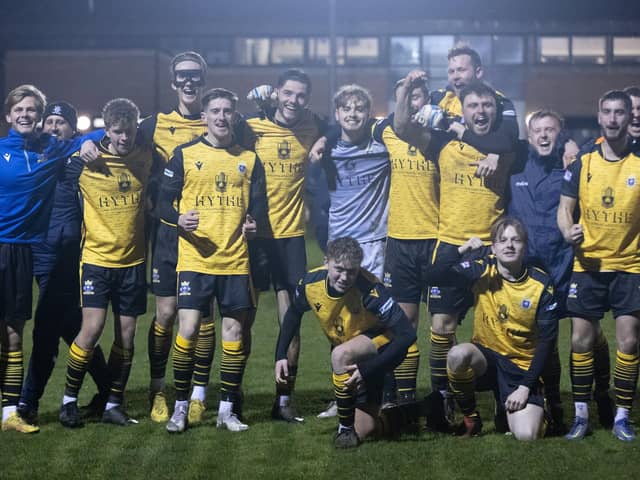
(379, 302)
(292, 319)
(571, 180)
(171, 188)
(258, 194)
(547, 318)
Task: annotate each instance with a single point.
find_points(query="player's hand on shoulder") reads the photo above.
(89, 151)
(487, 166)
(317, 150)
(189, 221)
(571, 150)
(473, 243)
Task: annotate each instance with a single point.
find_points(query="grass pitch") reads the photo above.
(277, 450)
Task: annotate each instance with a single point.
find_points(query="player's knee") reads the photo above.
(628, 344)
(340, 358)
(165, 315)
(458, 358)
(526, 432)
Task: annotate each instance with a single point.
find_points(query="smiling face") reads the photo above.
(543, 133)
(24, 116)
(292, 97)
(188, 83)
(509, 248)
(122, 137)
(218, 115)
(614, 119)
(352, 116)
(58, 126)
(479, 112)
(341, 274)
(634, 126)
(461, 72)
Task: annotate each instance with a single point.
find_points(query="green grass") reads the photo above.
(276, 450)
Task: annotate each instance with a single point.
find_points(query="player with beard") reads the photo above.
(602, 185)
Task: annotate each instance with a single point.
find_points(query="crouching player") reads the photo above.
(515, 328)
(112, 269)
(221, 189)
(369, 333)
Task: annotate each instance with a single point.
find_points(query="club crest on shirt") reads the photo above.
(503, 313)
(607, 197)
(284, 150)
(631, 181)
(221, 182)
(242, 168)
(526, 303)
(124, 182)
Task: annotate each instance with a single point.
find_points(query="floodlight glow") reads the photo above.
(98, 122)
(84, 123)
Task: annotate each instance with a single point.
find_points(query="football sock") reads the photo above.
(406, 375)
(199, 393)
(463, 386)
(183, 359)
(205, 348)
(625, 378)
(120, 360)
(11, 366)
(76, 368)
(345, 399)
(581, 367)
(440, 346)
(159, 344)
(287, 388)
(231, 369)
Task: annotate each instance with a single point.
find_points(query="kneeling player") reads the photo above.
(515, 328)
(368, 330)
(113, 257)
(220, 187)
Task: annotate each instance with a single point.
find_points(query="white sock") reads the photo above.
(110, 405)
(156, 385)
(181, 404)
(224, 409)
(284, 400)
(67, 399)
(342, 428)
(582, 410)
(7, 411)
(621, 413)
(198, 393)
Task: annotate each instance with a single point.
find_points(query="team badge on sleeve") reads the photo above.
(168, 173)
(567, 176)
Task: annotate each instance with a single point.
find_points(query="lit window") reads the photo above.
(626, 49)
(287, 50)
(252, 51)
(362, 50)
(405, 50)
(553, 49)
(589, 50)
(319, 50)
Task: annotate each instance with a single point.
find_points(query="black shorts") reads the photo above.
(280, 262)
(125, 288)
(505, 376)
(16, 282)
(405, 267)
(164, 261)
(592, 294)
(448, 300)
(197, 290)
